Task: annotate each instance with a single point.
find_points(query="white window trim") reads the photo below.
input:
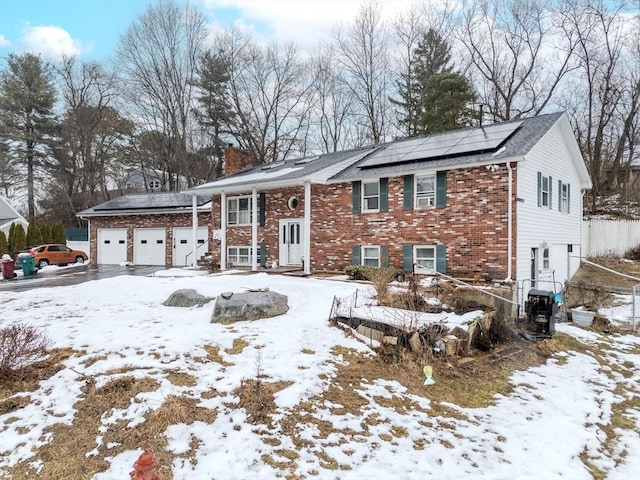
(544, 192)
(363, 258)
(365, 197)
(415, 256)
(545, 258)
(238, 247)
(564, 197)
(237, 211)
(432, 198)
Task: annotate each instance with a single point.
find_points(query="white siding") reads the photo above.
(542, 226)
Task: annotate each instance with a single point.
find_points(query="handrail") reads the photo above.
(186, 258)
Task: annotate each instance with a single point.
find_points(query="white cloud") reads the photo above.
(305, 23)
(52, 42)
(4, 42)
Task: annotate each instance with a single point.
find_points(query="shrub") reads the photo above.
(380, 278)
(633, 253)
(21, 345)
(357, 272)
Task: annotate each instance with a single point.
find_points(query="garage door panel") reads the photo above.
(149, 246)
(112, 246)
(182, 245)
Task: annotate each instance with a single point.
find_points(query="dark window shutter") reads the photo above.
(568, 198)
(384, 256)
(263, 255)
(355, 252)
(407, 202)
(539, 189)
(559, 195)
(263, 203)
(441, 258)
(550, 192)
(441, 189)
(355, 197)
(384, 194)
(407, 258)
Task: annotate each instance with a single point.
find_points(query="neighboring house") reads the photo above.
(501, 202)
(148, 229)
(150, 180)
(9, 215)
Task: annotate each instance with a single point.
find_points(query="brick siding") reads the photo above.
(473, 225)
(131, 222)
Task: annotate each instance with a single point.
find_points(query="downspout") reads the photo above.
(194, 230)
(254, 229)
(223, 231)
(509, 223)
(307, 228)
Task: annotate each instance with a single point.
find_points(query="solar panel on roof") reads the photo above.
(460, 142)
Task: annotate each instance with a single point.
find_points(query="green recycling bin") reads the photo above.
(28, 264)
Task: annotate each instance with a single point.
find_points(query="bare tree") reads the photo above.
(158, 58)
(332, 108)
(363, 55)
(604, 96)
(270, 95)
(509, 44)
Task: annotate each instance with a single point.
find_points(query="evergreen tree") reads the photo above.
(431, 56)
(34, 236)
(27, 95)
(11, 239)
(19, 240)
(58, 234)
(446, 103)
(4, 244)
(214, 111)
(45, 231)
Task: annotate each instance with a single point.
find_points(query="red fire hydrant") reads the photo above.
(145, 467)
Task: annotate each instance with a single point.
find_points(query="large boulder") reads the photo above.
(186, 297)
(252, 305)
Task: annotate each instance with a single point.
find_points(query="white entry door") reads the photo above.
(112, 246)
(183, 245)
(149, 246)
(291, 242)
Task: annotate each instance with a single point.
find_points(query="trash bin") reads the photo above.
(8, 267)
(28, 264)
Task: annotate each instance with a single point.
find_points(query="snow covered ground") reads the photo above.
(551, 426)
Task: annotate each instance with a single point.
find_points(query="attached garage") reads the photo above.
(183, 245)
(150, 246)
(112, 246)
(148, 229)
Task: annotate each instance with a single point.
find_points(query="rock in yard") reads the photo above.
(238, 307)
(186, 298)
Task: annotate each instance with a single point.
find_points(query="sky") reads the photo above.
(541, 430)
(91, 28)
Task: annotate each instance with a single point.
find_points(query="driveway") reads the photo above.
(53, 276)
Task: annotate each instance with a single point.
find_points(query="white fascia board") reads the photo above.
(119, 213)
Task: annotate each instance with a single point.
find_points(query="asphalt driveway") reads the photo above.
(53, 276)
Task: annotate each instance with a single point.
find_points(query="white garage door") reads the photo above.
(112, 246)
(149, 246)
(183, 245)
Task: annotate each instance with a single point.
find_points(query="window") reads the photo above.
(563, 196)
(371, 256)
(239, 255)
(154, 185)
(370, 196)
(425, 257)
(426, 191)
(544, 190)
(239, 211)
(545, 258)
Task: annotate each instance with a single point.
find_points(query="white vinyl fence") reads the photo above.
(609, 237)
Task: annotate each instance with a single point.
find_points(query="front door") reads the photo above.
(291, 242)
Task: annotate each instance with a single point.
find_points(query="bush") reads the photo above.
(357, 272)
(21, 345)
(633, 253)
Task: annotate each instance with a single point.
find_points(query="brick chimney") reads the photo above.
(236, 160)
